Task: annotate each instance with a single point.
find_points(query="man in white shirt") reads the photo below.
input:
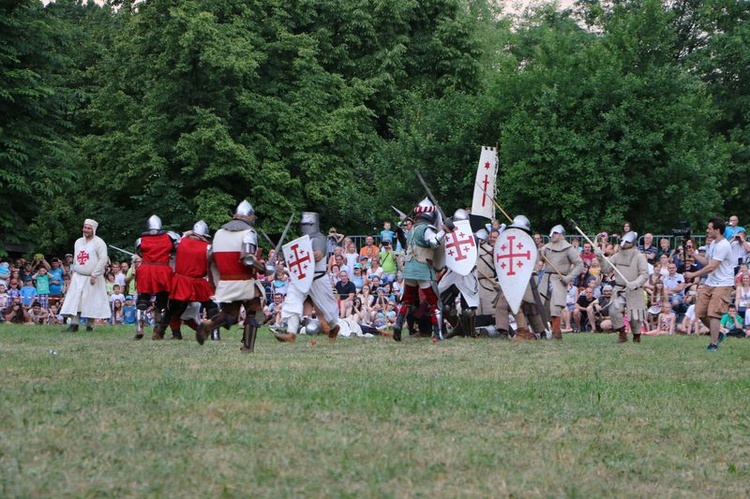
(716, 293)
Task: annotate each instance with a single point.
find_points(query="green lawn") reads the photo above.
(97, 414)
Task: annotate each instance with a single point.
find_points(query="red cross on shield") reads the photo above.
(515, 256)
(300, 262)
(460, 248)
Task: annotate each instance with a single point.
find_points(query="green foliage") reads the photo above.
(628, 109)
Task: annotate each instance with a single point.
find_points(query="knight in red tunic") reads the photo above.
(190, 281)
(154, 278)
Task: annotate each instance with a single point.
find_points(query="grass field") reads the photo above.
(97, 415)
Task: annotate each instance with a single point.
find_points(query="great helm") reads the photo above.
(557, 228)
(154, 223)
(244, 209)
(309, 223)
(201, 228)
(629, 239)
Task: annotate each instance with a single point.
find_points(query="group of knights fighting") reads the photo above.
(460, 275)
(510, 275)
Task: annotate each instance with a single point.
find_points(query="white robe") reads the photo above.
(90, 300)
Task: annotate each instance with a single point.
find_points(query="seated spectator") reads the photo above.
(732, 323)
(333, 275)
(601, 309)
(664, 249)
(54, 318)
(665, 322)
(280, 282)
(742, 295)
(358, 278)
(16, 313)
(570, 305)
(657, 297)
(4, 301)
(346, 292)
(365, 296)
(690, 325)
(37, 314)
(674, 283)
(583, 314)
(338, 251)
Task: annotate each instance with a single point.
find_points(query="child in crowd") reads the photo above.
(387, 234)
(4, 301)
(128, 311)
(42, 281)
(113, 298)
(665, 323)
(111, 284)
(118, 316)
(54, 318)
(732, 323)
(37, 314)
(28, 293)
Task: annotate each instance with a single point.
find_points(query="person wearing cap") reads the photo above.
(628, 293)
(562, 265)
(715, 294)
(87, 295)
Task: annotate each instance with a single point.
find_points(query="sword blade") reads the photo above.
(429, 194)
(121, 250)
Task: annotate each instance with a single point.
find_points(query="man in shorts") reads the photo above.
(716, 293)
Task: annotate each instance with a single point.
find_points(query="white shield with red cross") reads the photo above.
(515, 258)
(460, 248)
(300, 262)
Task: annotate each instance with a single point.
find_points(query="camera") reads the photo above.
(683, 231)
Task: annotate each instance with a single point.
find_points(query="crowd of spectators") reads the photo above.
(366, 281)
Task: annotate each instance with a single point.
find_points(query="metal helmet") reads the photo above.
(557, 228)
(244, 209)
(309, 223)
(426, 210)
(521, 222)
(312, 326)
(460, 214)
(201, 228)
(630, 238)
(154, 223)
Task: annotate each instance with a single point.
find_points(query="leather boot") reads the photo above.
(176, 334)
(200, 333)
(158, 332)
(623, 336)
(248, 338)
(556, 328)
(524, 333)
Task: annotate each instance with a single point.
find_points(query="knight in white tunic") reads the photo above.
(87, 294)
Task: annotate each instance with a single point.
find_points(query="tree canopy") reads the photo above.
(607, 111)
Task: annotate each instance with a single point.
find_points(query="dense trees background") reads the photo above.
(608, 111)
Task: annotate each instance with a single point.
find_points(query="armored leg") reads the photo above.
(556, 328)
(468, 322)
(250, 332)
(622, 336)
(411, 294)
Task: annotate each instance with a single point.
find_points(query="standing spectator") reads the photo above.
(351, 256)
(28, 293)
(387, 234)
(388, 262)
(740, 248)
(369, 250)
(87, 296)
(648, 249)
(333, 240)
(56, 281)
(732, 228)
(714, 295)
(128, 311)
(587, 255)
(14, 289)
(4, 301)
